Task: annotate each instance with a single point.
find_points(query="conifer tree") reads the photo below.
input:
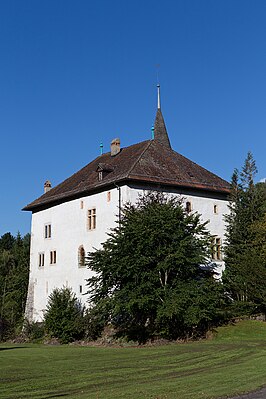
(63, 317)
(150, 276)
(246, 209)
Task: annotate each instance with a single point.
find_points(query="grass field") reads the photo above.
(233, 361)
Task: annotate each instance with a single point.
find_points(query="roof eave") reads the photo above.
(66, 197)
(173, 183)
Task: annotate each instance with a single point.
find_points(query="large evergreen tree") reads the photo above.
(151, 275)
(243, 273)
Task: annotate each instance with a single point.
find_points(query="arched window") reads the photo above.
(188, 207)
(81, 256)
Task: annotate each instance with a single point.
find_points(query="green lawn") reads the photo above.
(232, 362)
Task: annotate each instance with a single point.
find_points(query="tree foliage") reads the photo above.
(63, 317)
(150, 277)
(244, 275)
(14, 275)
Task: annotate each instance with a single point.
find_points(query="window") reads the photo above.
(81, 204)
(52, 257)
(47, 231)
(188, 207)
(216, 249)
(215, 209)
(103, 170)
(81, 256)
(92, 219)
(41, 259)
(108, 196)
(80, 289)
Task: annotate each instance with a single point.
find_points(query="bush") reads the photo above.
(33, 331)
(4, 329)
(64, 316)
(96, 318)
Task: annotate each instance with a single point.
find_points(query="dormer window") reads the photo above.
(103, 170)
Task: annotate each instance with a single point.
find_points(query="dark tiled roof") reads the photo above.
(145, 162)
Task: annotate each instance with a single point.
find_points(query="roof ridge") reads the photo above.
(139, 157)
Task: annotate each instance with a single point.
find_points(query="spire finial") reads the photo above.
(160, 132)
(152, 132)
(159, 96)
(101, 148)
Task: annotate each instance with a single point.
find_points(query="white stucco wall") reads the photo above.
(69, 231)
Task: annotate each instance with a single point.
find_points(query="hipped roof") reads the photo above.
(145, 162)
(151, 162)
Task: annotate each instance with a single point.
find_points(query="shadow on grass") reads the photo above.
(15, 347)
(59, 395)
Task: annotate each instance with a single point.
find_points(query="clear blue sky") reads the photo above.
(74, 73)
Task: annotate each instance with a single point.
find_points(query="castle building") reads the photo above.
(73, 218)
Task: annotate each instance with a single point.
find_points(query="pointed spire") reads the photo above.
(160, 132)
(159, 96)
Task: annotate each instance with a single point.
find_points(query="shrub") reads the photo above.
(33, 330)
(96, 318)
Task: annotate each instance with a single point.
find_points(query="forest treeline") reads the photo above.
(14, 276)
